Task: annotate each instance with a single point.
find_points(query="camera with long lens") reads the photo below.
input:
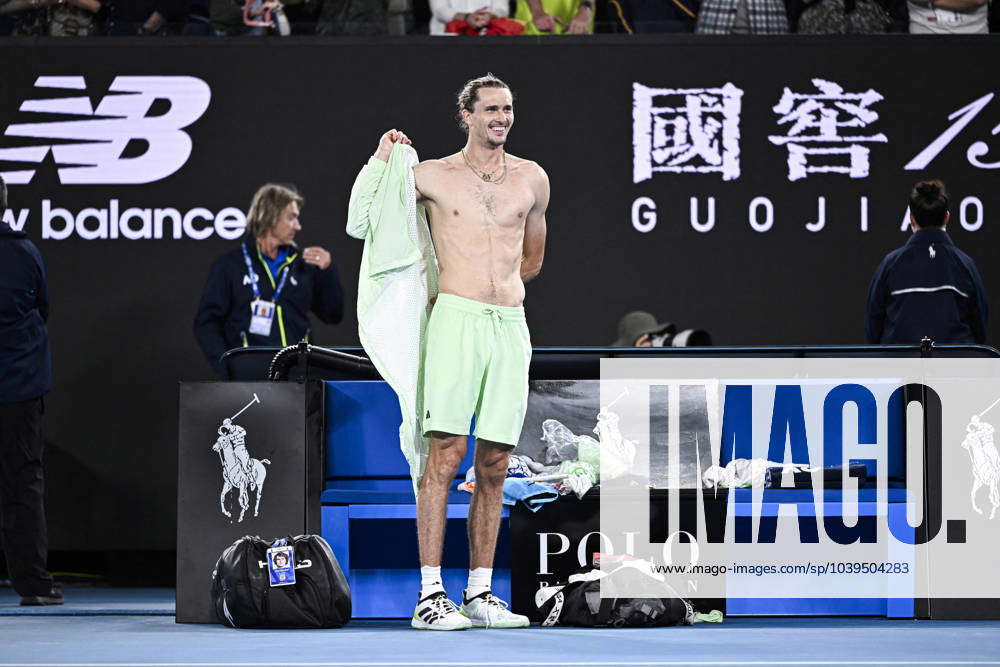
(684, 338)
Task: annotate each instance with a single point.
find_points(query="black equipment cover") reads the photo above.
(244, 598)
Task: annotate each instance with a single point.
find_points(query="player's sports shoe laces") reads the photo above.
(437, 612)
(488, 611)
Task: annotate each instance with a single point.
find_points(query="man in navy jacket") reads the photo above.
(260, 293)
(928, 287)
(25, 378)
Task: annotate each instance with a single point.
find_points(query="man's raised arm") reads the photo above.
(367, 183)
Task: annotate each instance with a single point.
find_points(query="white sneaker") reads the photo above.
(437, 612)
(488, 611)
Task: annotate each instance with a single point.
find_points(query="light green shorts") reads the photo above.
(476, 362)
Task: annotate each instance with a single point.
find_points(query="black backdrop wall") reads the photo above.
(718, 131)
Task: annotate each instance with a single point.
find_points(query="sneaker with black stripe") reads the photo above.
(437, 612)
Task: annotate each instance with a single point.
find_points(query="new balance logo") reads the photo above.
(106, 131)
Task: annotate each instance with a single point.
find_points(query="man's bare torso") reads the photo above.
(478, 226)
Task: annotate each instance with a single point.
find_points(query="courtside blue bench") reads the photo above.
(894, 607)
(898, 607)
(369, 511)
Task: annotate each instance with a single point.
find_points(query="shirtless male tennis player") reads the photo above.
(487, 221)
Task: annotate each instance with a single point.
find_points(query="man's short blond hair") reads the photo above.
(469, 95)
(268, 203)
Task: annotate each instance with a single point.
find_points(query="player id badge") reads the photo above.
(261, 317)
(281, 565)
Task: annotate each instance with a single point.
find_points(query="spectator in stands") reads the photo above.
(555, 17)
(261, 292)
(847, 16)
(476, 13)
(949, 17)
(55, 18)
(640, 329)
(742, 17)
(25, 380)
(147, 17)
(399, 17)
(928, 287)
(352, 17)
(226, 17)
(199, 20)
(652, 16)
(229, 18)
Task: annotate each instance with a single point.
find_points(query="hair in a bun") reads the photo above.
(929, 189)
(929, 203)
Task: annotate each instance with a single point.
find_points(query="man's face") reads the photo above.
(492, 116)
(287, 225)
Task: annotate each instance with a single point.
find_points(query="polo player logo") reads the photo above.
(239, 470)
(985, 461)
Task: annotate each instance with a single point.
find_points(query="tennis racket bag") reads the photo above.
(579, 603)
(244, 597)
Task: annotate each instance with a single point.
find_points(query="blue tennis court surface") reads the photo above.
(97, 602)
(134, 627)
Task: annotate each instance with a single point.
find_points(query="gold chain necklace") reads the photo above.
(488, 176)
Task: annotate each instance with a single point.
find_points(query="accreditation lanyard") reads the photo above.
(262, 311)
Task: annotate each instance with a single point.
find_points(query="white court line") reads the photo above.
(490, 664)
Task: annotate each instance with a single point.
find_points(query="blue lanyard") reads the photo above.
(253, 282)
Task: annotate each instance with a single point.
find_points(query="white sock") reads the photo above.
(479, 581)
(430, 581)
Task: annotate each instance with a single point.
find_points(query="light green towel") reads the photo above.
(397, 281)
(714, 616)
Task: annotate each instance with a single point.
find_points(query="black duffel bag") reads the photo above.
(244, 598)
(579, 603)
